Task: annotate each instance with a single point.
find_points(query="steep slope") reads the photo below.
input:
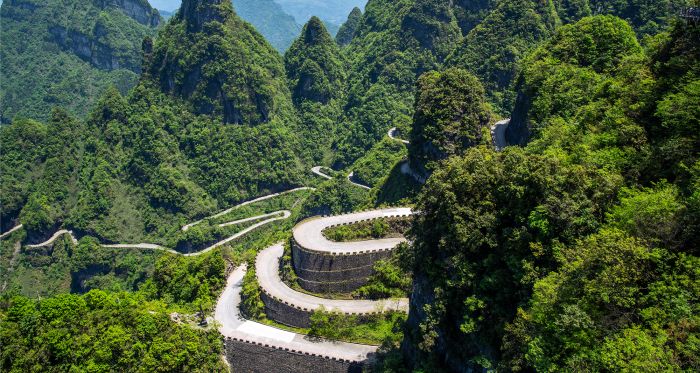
(314, 65)
(348, 29)
(492, 49)
(195, 59)
(316, 75)
(396, 42)
(66, 53)
(211, 123)
(451, 116)
(577, 251)
(278, 27)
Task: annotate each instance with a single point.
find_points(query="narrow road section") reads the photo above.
(309, 234)
(351, 177)
(263, 198)
(16, 228)
(392, 135)
(317, 171)
(233, 325)
(55, 237)
(267, 271)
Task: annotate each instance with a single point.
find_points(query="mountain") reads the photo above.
(316, 74)
(66, 53)
(348, 29)
(207, 125)
(331, 12)
(268, 17)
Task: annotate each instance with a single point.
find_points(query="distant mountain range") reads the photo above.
(280, 20)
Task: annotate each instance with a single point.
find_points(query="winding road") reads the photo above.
(233, 325)
(269, 218)
(16, 228)
(351, 175)
(263, 198)
(267, 271)
(309, 233)
(392, 135)
(317, 171)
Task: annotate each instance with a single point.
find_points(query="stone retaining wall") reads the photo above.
(248, 357)
(322, 272)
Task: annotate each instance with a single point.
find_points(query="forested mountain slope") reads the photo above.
(207, 126)
(579, 250)
(67, 53)
(268, 17)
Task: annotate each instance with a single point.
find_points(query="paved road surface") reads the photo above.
(267, 271)
(309, 234)
(233, 325)
(498, 134)
(317, 171)
(54, 237)
(222, 213)
(274, 216)
(392, 135)
(351, 176)
(10, 231)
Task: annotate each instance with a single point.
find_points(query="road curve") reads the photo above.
(267, 271)
(317, 171)
(498, 134)
(16, 228)
(233, 325)
(351, 175)
(263, 198)
(274, 216)
(54, 237)
(392, 135)
(308, 234)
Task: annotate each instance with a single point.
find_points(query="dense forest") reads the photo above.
(67, 53)
(574, 248)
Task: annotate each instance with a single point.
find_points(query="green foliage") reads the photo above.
(391, 278)
(251, 304)
(102, 332)
(315, 68)
(334, 197)
(382, 328)
(450, 115)
(617, 304)
(187, 280)
(373, 167)
(194, 59)
(67, 53)
(493, 48)
(367, 230)
(578, 251)
(348, 29)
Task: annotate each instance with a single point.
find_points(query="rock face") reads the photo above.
(139, 10)
(217, 62)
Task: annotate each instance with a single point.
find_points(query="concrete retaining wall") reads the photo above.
(247, 357)
(321, 272)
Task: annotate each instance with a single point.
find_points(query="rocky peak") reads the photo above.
(139, 10)
(315, 32)
(199, 12)
(347, 31)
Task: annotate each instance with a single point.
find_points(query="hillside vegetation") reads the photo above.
(66, 53)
